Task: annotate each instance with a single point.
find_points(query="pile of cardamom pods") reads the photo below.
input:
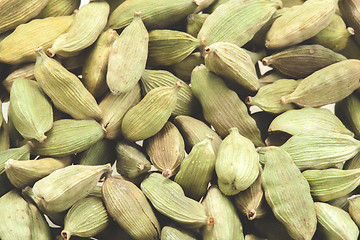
(130, 119)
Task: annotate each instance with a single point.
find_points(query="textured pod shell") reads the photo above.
(128, 57)
(14, 13)
(155, 13)
(237, 21)
(288, 194)
(65, 89)
(268, 96)
(308, 120)
(300, 23)
(311, 58)
(129, 207)
(328, 184)
(21, 153)
(227, 224)
(19, 46)
(222, 107)
(25, 173)
(95, 66)
(56, 8)
(232, 63)
(89, 22)
(350, 11)
(102, 152)
(186, 103)
(348, 112)
(196, 170)
(149, 116)
(168, 198)
(114, 107)
(39, 227)
(354, 208)
(237, 163)
(335, 223)
(85, 218)
(194, 23)
(168, 47)
(328, 85)
(175, 233)
(184, 68)
(69, 136)
(24, 71)
(32, 113)
(64, 187)
(166, 149)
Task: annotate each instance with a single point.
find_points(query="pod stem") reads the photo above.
(167, 173)
(65, 234)
(50, 52)
(248, 100)
(251, 214)
(210, 221)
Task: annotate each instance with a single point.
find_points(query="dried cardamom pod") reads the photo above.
(175, 233)
(39, 227)
(354, 207)
(56, 8)
(350, 12)
(184, 68)
(24, 71)
(102, 152)
(194, 23)
(353, 163)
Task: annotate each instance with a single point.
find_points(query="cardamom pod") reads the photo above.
(194, 23)
(24, 71)
(39, 227)
(353, 163)
(184, 68)
(350, 12)
(56, 8)
(175, 233)
(354, 207)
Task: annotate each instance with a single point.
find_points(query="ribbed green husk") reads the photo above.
(327, 85)
(129, 207)
(175, 233)
(149, 116)
(222, 107)
(58, 191)
(168, 198)
(24, 71)
(32, 113)
(186, 103)
(196, 170)
(341, 202)
(15, 12)
(350, 11)
(195, 22)
(127, 58)
(101, 152)
(86, 218)
(237, 163)
(95, 67)
(166, 149)
(39, 227)
(19, 46)
(328, 184)
(237, 21)
(184, 68)
(288, 194)
(232, 63)
(20, 153)
(168, 47)
(65, 89)
(69, 136)
(4, 136)
(268, 96)
(308, 120)
(155, 13)
(335, 223)
(131, 160)
(354, 208)
(25, 173)
(56, 8)
(227, 224)
(311, 58)
(300, 23)
(89, 22)
(353, 163)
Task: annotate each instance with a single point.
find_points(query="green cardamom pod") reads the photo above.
(341, 202)
(353, 163)
(354, 207)
(24, 71)
(39, 227)
(195, 22)
(350, 12)
(184, 68)
(102, 152)
(56, 8)
(175, 233)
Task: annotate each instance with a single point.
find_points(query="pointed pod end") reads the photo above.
(197, 2)
(210, 221)
(248, 100)
(50, 52)
(167, 173)
(178, 85)
(350, 30)
(209, 137)
(251, 214)
(137, 14)
(265, 61)
(283, 100)
(8, 164)
(65, 235)
(42, 138)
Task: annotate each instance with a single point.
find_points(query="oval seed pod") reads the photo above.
(56, 8)
(102, 152)
(299, 23)
(25, 173)
(194, 23)
(186, 103)
(184, 68)
(168, 47)
(150, 115)
(113, 108)
(32, 113)
(308, 120)
(39, 227)
(222, 107)
(196, 170)
(166, 149)
(128, 57)
(89, 22)
(328, 85)
(86, 218)
(268, 96)
(64, 187)
(19, 46)
(288, 194)
(155, 13)
(24, 71)
(69, 136)
(95, 67)
(227, 224)
(335, 223)
(353, 163)
(21, 153)
(175, 233)
(129, 207)
(232, 63)
(73, 98)
(354, 208)
(237, 163)
(311, 58)
(350, 12)
(328, 184)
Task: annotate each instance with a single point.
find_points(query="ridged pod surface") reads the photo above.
(350, 11)
(175, 233)
(354, 208)
(288, 194)
(56, 8)
(65, 89)
(24, 71)
(194, 23)
(39, 227)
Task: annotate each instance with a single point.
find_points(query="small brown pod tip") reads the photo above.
(65, 234)
(248, 100)
(50, 52)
